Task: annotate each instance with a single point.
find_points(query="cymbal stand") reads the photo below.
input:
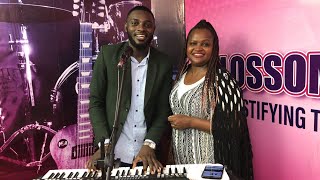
(95, 28)
(23, 53)
(25, 63)
(42, 148)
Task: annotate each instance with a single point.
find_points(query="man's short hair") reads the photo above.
(141, 8)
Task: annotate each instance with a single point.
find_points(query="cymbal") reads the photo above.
(32, 13)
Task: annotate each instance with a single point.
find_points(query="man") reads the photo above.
(144, 107)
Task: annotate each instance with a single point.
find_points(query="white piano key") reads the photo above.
(124, 172)
(137, 170)
(165, 170)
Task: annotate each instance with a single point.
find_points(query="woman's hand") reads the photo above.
(179, 121)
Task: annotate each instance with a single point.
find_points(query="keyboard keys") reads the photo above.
(169, 172)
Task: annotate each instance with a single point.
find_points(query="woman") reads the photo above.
(208, 121)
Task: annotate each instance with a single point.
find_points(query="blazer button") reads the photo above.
(127, 109)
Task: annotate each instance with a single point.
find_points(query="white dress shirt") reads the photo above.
(135, 128)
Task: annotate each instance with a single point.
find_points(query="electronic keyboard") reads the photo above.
(182, 172)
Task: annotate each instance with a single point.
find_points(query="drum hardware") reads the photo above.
(25, 68)
(22, 14)
(24, 60)
(2, 116)
(32, 13)
(21, 131)
(55, 96)
(23, 53)
(111, 13)
(110, 21)
(95, 27)
(42, 148)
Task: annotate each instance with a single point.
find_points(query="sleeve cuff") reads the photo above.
(150, 143)
(106, 141)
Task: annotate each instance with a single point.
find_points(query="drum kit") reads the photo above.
(22, 15)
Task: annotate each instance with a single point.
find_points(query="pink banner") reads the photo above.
(273, 48)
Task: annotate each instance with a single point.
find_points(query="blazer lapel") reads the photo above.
(126, 87)
(151, 76)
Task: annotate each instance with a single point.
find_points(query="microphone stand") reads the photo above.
(100, 163)
(109, 159)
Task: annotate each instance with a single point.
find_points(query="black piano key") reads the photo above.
(184, 170)
(170, 171)
(56, 176)
(70, 175)
(90, 174)
(84, 174)
(175, 170)
(118, 172)
(95, 174)
(137, 172)
(76, 175)
(123, 173)
(51, 176)
(62, 175)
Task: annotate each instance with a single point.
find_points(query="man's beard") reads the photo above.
(140, 46)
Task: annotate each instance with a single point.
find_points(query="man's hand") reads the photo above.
(148, 158)
(96, 156)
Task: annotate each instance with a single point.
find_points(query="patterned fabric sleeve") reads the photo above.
(230, 131)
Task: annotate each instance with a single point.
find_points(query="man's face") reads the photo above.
(140, 27)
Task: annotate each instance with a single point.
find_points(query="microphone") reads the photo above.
(126, 55)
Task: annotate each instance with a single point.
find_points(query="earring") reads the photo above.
(187, 62)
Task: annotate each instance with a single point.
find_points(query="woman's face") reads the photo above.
(199, 47)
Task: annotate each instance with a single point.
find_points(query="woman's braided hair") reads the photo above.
(210, 85)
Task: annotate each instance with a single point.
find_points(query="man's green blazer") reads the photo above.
(103, 92)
